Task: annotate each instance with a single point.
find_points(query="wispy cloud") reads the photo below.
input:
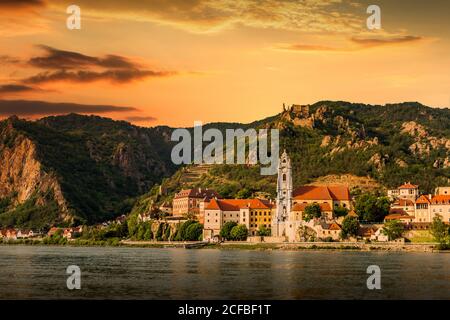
(21, 4)
(82, 76)
(353, 44)
(210, 15)
(39, 108)
(141, 119)
(15, 88)
(376, 42)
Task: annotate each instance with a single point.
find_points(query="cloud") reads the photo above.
(39, 108)
(5, 59)
(69, 66)
(141, 119)
(210, 15)
(376, 42)
(356, 44)
(61, 59)
(15, 88)
(19, 4)
(82, 76)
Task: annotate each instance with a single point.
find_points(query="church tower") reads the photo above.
(284, 188)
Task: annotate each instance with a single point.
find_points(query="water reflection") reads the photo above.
(142, 273)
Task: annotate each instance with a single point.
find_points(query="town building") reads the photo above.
(253, 213)
(405, 191)
(406, 206)
(429, 206)
(328, 230)
(442, 191)
(187, 201)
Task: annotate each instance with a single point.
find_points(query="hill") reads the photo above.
(76, 169)
(84, 169)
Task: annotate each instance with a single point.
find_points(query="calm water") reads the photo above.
(31, 272)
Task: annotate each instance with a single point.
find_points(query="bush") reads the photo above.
(225, 232)
(312, 211)
(264, 232)
(181, 234)
(393, 229)
(239, 232)
(350, 227)
(194, 232)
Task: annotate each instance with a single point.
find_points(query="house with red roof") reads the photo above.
(405, 191)
(328, 197)
(406, 206)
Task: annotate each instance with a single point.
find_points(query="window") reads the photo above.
(284, 177)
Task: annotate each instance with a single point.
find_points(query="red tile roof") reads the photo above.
(331, 226)
(324, 207)
(403, 203)
(440, 199)
(423, 199)
(398, 216)
(338, 193)
(408, 185)
(237, 204)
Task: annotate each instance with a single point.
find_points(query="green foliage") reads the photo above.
(350, 227)
(393, 229)
(440, 231)
(225, 232)
(340, 211)
(194, 232)
(263, 231)
(312, 211)
(181, 234)
(239, 232)
(30, 214)
(371, 207)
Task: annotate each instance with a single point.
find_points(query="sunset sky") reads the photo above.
(155, 62)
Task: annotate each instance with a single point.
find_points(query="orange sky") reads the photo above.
(177, 61)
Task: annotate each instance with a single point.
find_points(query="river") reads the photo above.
(39, 272)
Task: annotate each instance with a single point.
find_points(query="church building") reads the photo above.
(291, 203)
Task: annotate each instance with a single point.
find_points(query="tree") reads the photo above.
(225, 232)
(263, 231)
(350, 227)
(371, 208)
(239, 232)
(393, 229)
(148, 235)
(312, 211)
(194, 232)
(340, 211)
(181, 235)
(439, 231)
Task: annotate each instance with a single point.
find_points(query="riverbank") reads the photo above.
(242, 245)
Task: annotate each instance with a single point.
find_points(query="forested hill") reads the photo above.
(84, 169)
(343, 143)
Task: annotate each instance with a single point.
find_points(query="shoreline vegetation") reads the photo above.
(242, 245)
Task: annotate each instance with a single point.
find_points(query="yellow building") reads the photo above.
(253, 213)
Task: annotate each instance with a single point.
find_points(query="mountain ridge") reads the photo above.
(94, 168)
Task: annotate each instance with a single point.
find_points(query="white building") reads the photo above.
(406, 191)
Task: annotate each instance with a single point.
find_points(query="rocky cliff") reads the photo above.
(76, 169)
